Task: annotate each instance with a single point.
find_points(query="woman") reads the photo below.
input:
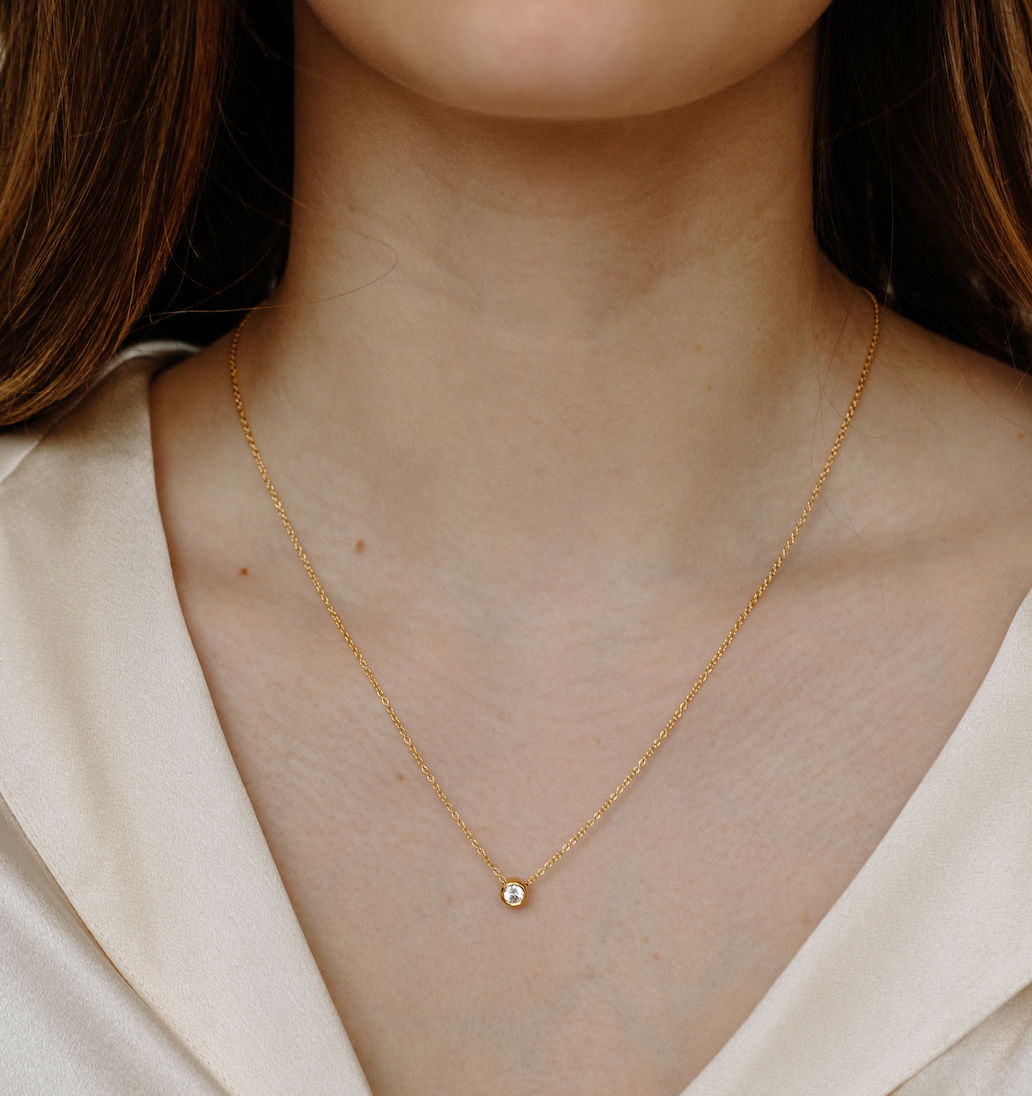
(555, 358)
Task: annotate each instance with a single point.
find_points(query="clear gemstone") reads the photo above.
(514, 893)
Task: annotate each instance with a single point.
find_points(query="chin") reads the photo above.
(572, 92)
(556, 61)
(566, 60)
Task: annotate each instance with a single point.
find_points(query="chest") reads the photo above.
(641, 951)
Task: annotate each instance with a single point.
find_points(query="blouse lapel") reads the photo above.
(113, 762)
(932, 936)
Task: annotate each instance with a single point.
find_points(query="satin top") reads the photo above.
(147, 944)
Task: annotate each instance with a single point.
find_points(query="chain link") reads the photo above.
(682, 707)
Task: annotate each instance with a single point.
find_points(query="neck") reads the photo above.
(526, 334)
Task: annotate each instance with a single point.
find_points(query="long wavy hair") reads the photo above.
(147, 155)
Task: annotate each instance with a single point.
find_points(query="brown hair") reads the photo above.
(121, 214)
(923, 162)
(105, 108)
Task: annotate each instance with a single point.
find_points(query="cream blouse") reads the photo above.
(147, 945)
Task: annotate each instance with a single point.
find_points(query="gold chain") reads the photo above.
(516, 888)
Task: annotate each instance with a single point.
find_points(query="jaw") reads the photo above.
(566, 60)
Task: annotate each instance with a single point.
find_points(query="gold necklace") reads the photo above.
(514, 891)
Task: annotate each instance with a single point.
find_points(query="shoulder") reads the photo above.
(943, 445)
(78, 521)
(87, 413)
(946, 383)
(933, 387)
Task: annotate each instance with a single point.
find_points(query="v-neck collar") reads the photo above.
(113, 762)
(933, 934)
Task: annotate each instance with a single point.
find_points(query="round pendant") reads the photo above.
(514, 892)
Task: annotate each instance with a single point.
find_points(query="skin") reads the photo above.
(551, 373)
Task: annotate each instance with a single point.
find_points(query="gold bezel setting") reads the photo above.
(514, 893)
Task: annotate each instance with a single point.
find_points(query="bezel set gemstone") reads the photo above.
(514, 893)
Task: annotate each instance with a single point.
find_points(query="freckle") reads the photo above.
(698, 348)
(618, 473)
(400, 776)
(243, 570)
(805, 920)
(589, 973)
(655, 955)
(1021, 435)
(359, 545)
(351, 208)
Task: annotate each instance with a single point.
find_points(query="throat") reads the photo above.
(601, 464)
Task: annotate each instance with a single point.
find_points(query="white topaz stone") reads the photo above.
(514, 893)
